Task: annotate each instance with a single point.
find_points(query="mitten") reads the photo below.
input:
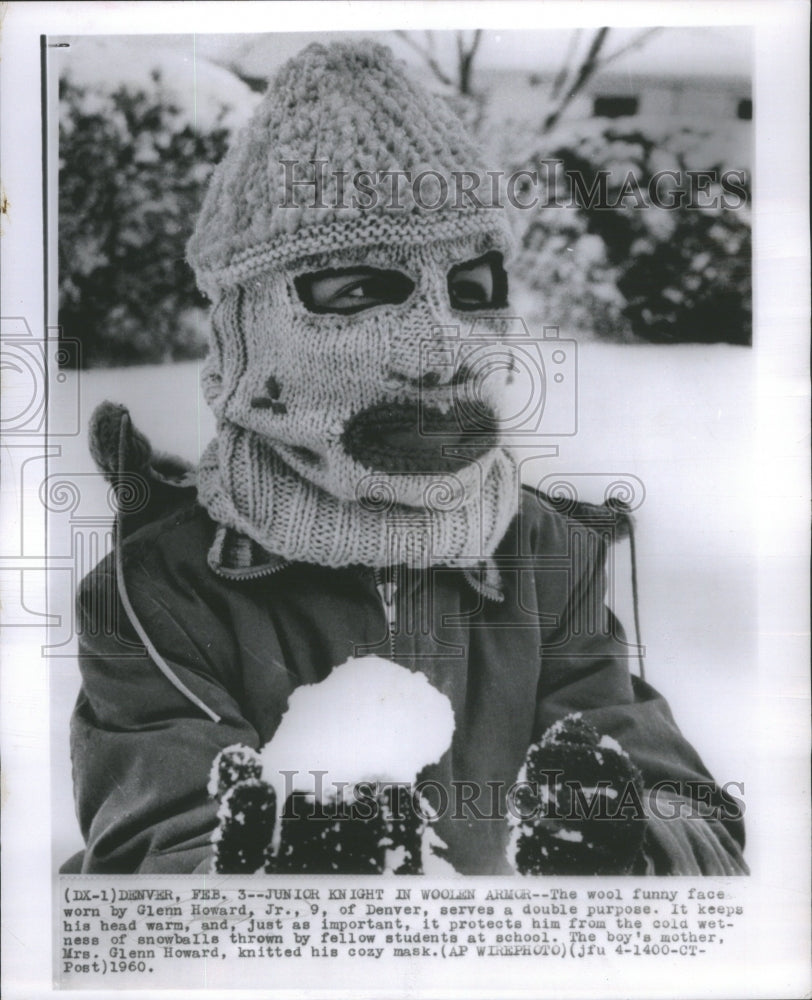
(377, 831)
(577, 807)
(247, 814)
(370, 835)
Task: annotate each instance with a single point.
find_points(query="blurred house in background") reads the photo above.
(683, 73)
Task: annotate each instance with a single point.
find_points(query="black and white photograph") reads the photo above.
(405, 467)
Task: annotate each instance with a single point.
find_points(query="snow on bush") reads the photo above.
(138, 139)
(205, 95)
(626, 267)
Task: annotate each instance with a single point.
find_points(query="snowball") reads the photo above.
(368, 720)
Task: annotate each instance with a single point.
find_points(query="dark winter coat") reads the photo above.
(514, 648)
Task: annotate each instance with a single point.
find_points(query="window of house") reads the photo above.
(615, 106)
(744, 111)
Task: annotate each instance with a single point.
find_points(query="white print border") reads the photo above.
(773, 958)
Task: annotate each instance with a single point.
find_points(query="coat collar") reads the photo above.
(236, 557)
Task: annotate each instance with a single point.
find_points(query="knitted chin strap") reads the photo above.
(291, 517)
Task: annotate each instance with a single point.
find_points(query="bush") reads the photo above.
(623, 269)
(132, 173)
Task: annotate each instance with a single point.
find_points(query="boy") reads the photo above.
(358, 499)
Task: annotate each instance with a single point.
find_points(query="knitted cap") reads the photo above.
(334, 112)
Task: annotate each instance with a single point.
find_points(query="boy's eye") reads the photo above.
(351, 290)
(478, 284)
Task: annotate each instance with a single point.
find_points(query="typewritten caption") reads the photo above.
(141, 930)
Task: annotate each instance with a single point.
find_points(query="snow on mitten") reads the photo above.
(233, 764)
(577, 808)
(247, 814)
(377, 831)
(374, 833)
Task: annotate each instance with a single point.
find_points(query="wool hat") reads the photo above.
(345, 149)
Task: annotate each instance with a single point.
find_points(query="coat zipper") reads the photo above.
(254, 573)
(387, 590)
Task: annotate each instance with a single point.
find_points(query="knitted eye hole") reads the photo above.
(479, 284)
(352, 289)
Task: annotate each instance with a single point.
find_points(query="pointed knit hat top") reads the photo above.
(334, 112)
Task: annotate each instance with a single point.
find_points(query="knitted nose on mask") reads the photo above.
(333, 428)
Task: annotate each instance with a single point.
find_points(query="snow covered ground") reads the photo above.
(680, 419)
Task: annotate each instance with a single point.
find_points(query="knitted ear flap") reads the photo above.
(117, 447)
(110, 429)
(149, 485)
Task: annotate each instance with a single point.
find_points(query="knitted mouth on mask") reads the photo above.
(402, 437)
(346, 437)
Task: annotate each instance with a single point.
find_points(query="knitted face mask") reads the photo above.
(394, 398)
(338, 426)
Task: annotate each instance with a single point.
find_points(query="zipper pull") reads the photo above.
(387, 590)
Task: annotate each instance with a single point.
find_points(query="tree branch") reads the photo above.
(585, 71)
(427, 56)
(635, 43)
(563, 72)
(465, 59)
